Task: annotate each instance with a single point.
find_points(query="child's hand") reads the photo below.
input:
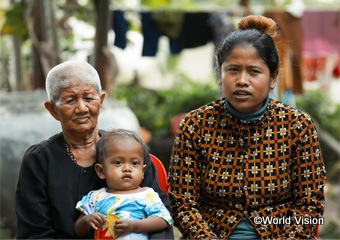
(150, 224)
(124, 226)
(95, 220)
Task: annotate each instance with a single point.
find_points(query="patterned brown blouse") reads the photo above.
(270, 171)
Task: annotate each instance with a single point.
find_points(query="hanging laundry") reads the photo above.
(291, 32)
(184, 30)
(196, 30)
(120, 27)
(169, 23)
(321, 32)
(151, 34)
(285, 76)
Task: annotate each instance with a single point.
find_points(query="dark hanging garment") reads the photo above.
(196, 30)
(120, 27)
(170, 24)
(151, 35)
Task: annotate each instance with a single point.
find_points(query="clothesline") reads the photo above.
(189, 29)
(184, 29)
(220, 10)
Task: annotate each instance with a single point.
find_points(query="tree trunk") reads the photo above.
(104, 60)
(17, 41)
(40, 25)
(38, 78)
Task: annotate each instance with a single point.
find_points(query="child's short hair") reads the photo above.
(117, 135)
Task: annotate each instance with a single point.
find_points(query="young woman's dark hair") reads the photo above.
(117, 135)
(256, 31)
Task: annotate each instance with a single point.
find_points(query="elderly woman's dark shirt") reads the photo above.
(50, 184)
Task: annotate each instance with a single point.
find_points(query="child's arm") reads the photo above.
(151, 224)
(85, 222)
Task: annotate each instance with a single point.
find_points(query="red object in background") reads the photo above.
(336, 71)
(313, 66)
(175, 122)
(162, 174)
(316, 232)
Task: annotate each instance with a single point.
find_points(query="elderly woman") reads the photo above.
(57, 172)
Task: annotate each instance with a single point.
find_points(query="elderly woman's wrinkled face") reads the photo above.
(79, 107)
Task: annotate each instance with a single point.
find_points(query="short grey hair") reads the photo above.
(59, 77)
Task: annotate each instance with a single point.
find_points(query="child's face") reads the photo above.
(123, 168)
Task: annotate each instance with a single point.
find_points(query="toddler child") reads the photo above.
(123, 209)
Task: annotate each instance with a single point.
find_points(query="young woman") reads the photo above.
(247, 166)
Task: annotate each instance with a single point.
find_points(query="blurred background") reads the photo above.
(155, 61)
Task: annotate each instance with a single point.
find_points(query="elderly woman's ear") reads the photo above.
(102, 97)
(50, 106)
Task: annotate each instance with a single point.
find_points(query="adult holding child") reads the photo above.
(56, 173)
(247, 158)
(135, 211)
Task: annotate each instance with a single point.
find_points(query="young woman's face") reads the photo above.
(245, 79)
(123, 167)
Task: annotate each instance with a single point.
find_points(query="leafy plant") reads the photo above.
(327, 115)
(330, 231)
(155, 109)
(319, 105)
(14, 22)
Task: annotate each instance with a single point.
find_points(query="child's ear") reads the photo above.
(144, 168)
(99, 170)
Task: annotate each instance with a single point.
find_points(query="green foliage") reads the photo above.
(155, 4)
(85, 13)
(5, 233)
(15, 22)
(155, 109)
(327, 115)
(189, 5)
(330, 231)
(318, 104)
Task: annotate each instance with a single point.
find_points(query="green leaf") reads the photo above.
(15, 22)
(155, 3)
